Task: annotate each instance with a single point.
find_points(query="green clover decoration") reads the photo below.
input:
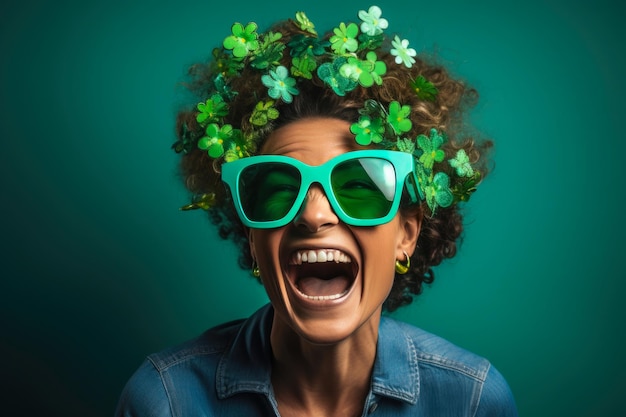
(405, 145)
(398, 117)
(344, 39)
(242, 40)
(269, 53)
(303, 67)
(280, 84)
(185, 143)
(211, 110)
(236, 147)
(224, 64)
(402, 52)
(368, 130)
(263, 112)
(462, 164)
(365, 72)
(301, 45)
(329, 72)
(304, 23)
(222, 88)
(438, 192)
(372, 24)
(430, 148)
(200, 201)
(464, 190)
(424, 89)
(213, 141)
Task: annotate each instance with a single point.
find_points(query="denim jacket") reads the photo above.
(227, 372)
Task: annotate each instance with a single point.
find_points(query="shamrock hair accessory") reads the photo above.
(346, 60)
(200, 201)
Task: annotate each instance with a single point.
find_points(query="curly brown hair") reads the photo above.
(440, 233)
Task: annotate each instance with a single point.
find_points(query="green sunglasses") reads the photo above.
(364, 188)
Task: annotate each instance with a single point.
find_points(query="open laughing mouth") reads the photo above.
(322, 274)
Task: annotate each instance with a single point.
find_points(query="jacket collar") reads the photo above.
(246, 365)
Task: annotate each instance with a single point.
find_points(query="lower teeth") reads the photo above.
(323, 297)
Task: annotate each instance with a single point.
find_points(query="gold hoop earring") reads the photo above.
(256, 272)
(403, 268)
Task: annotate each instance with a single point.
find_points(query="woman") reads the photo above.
(342, 191)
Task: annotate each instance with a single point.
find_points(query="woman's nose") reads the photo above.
(316, 212)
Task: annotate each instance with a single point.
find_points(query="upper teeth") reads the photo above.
(322, 255)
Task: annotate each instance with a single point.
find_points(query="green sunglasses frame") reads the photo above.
(402, 162)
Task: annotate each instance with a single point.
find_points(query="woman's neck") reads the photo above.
(332, 379)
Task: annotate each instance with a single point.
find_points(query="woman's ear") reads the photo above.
(408, 232)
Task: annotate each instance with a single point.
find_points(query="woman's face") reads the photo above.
(326, 279)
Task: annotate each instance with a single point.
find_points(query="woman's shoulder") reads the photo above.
(213, 341)
(443, 367)
(449, 366)
(186, 369)
(435, 350)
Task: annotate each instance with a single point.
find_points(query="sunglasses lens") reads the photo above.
(364, 187)
(267, 191)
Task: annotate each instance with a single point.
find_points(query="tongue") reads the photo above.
(313, 286)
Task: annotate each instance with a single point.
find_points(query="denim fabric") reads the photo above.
(226, 372)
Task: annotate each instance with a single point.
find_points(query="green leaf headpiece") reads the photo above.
(346, 60)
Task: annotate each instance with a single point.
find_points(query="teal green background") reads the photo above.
(99, 268)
